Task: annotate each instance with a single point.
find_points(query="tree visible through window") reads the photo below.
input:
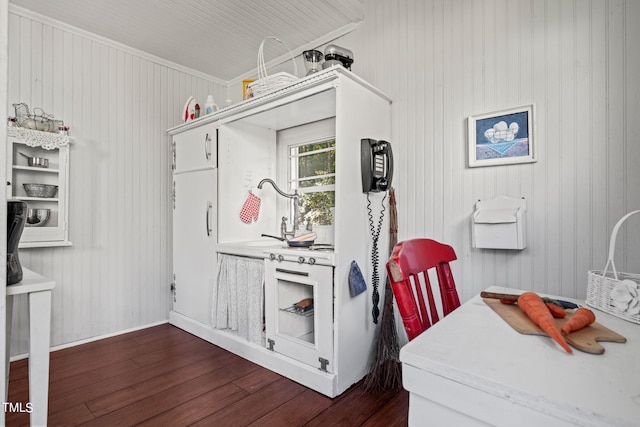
(312, 171)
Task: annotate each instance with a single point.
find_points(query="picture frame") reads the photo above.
(246, 92)
(502, 137)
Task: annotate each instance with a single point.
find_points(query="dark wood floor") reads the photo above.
(163, 376)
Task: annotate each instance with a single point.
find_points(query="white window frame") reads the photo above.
(323, 130)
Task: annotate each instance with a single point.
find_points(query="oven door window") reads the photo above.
(299, 312)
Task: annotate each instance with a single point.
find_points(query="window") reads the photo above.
(312, 171)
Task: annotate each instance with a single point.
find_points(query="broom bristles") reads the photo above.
(386, 372)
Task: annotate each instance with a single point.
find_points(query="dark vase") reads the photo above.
(16, 217)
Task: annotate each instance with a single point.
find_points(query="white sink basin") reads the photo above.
(252, 248)
(266, 242)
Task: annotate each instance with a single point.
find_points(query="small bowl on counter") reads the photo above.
(46, 191)
(37, 217)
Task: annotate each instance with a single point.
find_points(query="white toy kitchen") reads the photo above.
(240, 179)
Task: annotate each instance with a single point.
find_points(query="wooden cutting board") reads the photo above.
(584, 340)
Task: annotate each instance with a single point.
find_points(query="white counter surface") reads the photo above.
(31, 282)
(475, 351)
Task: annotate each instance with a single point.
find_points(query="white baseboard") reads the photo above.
(96, 338)
(308, 376)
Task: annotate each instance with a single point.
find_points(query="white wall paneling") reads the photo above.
(440, 61)
(118, 104)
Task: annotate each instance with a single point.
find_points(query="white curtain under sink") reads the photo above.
(238, 297)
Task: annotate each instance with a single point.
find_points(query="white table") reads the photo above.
(38, 288)
(472, 368)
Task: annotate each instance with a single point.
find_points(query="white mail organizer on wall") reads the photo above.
(499, 223)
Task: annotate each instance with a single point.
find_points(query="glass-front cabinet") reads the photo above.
(38, 170)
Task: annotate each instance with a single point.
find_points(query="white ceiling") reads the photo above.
(219, 38)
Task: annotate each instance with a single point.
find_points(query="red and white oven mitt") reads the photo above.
(250, 209)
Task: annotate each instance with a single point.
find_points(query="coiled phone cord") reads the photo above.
(375, 257)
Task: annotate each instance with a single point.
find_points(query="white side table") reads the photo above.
(38, 288)
(473, 369)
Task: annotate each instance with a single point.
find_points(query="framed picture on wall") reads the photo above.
(502, 138)
(246, 91)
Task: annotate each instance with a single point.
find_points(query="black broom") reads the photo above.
(386, 372)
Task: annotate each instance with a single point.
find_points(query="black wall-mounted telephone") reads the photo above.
(377, 165)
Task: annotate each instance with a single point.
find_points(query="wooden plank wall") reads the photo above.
(118, 104)
(442, 61)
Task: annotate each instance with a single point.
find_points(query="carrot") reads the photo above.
(555, 309)
(508, 301)
(536, 309)
(582, 318)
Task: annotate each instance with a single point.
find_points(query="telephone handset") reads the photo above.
(376, 165)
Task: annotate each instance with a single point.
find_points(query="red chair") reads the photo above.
(409, 262)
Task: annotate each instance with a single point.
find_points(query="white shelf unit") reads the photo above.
(55, 232)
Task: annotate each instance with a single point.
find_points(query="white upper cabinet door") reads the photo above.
(195, 149)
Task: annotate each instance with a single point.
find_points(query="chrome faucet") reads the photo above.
(294, 196)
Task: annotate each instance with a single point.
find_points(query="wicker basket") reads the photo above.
(266, 83)
(41, 121)
(612, 292)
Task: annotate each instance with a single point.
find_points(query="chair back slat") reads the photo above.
(419, 296)
(450, 300)
(433, 312)
(407, 304)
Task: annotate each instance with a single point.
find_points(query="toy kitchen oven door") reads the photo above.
(299, 305)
